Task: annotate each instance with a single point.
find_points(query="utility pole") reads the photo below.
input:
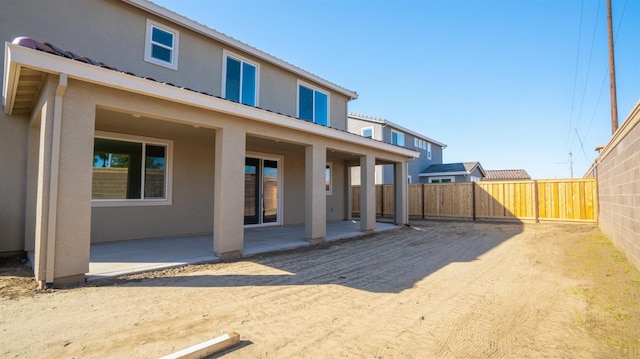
(571, 163)
(612, 73)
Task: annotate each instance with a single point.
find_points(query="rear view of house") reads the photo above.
(140, 123)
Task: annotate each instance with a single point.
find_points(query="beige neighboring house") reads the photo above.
(123, 120)
(429, 150)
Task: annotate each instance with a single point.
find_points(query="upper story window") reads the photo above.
(161, 45)
(313, 105)
(428, 150)
(240, 82)
(397, 138)
(367, 132)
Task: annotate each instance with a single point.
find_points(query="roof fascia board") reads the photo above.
(9, 85)
(22, 56)
(216, 35)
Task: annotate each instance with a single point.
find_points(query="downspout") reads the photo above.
(53, 183)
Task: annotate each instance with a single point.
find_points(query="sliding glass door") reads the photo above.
(261, 190)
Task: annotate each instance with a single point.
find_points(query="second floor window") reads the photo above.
(367, 132)
(428, 151)
(397, 138)
(240, 81)
(313, 105)
(161, 45)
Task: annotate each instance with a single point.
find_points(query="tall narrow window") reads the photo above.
(327, 178)
(240, 81)
(428, 150)
(161, 47)
(397, 138)
(313, 105)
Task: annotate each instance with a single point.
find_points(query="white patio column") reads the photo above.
(315, 223)
(228, 189)
(401, 192)
(367, 193)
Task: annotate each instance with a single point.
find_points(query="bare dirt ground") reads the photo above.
(436, 289)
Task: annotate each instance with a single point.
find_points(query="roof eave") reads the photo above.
(18, 56)
(174, 17)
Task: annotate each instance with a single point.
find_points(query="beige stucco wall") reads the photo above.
(617, 170)
(117, 38)
(13, 146)
(193, 161)
(194, 151)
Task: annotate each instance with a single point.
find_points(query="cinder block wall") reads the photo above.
(618, 172)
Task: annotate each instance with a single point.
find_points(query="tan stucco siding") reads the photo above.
(191, 211)
(13, 146)
(117, 38)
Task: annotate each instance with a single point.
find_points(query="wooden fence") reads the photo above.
(546, 200)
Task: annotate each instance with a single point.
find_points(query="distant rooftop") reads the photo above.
(386, 122)
(498, 175)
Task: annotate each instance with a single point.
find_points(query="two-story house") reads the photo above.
(430, 150)
(123, 120)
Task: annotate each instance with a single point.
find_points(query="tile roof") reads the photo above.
(55, 50)
(519, 174)
(451, 167)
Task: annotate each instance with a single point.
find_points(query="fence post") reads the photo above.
(422, 201)
(382, 200)
(473, 200)
(536, 207)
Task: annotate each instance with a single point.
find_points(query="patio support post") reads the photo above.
(228, 192)
(63, 199)
(349, 193)
(315, 224)
(367, 193)
(401, 193)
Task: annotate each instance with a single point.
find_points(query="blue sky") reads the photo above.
(509, 83)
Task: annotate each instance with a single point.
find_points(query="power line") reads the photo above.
(575, 76)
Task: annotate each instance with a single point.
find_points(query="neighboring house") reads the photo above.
(386, 131)
(453, 172)
(157, 126)
(506, 175)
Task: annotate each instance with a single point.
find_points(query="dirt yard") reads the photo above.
(434, 290)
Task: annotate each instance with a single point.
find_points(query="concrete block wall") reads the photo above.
(618, 172)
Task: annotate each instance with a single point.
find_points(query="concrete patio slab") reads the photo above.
(127, 257)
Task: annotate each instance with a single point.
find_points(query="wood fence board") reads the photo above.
(557, 200)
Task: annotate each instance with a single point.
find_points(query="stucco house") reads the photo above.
(123, 120)
(453, 172)
(430, 150)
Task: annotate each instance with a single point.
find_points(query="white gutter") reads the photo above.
(53, 182)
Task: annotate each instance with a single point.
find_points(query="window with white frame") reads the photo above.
(161, 45)
(130, 169)
(397, 138)
(367, 132)
(416, 142)
(327, 178)
(240, 81)
(428, 150)
(313, 104)
(442, 179)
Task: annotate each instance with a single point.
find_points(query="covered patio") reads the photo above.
(127, 257)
